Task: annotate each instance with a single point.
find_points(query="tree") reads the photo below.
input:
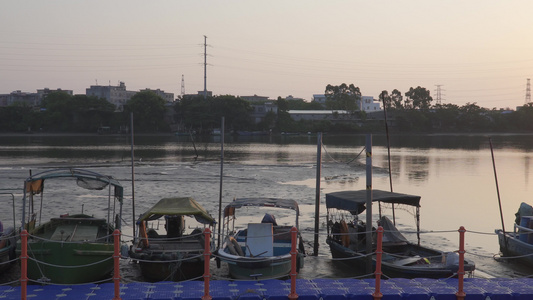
(472, 118)
(342, 97)
(419, 97)
(396, 99)
(385, 99)
(236, 111)
(199, 112)
(444, 116)
(148, 111)
(283, 105)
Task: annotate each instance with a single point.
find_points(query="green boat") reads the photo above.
(72, 247)
(171, 252)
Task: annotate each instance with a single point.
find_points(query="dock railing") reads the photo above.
(460, 295)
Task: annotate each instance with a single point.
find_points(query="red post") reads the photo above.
(116, 260)
(294, 233)
(207, 257)
(461, 272)
(379, 253)
(24, 265)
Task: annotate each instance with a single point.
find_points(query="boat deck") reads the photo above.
(310, 289)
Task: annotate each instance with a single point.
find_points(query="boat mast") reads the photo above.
(317, 195)
(221, 176)
(133, 181)
(497, 190)
(388, 152)
(369, 203)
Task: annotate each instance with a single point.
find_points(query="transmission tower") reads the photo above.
(528, 92)
(205, 67)
(438, 97)
(182, 85)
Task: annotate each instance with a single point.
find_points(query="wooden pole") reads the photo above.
(133, 180)
(221, 177)
(498, 191)
(368, 203)
(388, 155)
(317, 193)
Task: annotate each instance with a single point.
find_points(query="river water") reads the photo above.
(453, 174)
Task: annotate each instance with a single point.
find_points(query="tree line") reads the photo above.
(411, 112)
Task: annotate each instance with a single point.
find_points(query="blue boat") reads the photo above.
(518, 244)
(258, 250)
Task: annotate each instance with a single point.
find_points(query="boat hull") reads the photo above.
(73, 263)
(7, 251)
(511, 245)
(433, 267)
(172, 271)
(248, 268)
(70, 250)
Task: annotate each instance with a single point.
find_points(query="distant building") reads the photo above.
(169, 97)
(366, 104)
(320, 98)
(260, 111)
(208, 93)
(291, 98)
(321, 115)
(44, 92)
(254, 98)
(3, 99)
(117, 95)
(27, 98)
(24, 98)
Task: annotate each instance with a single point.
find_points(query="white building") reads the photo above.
(320, 98)
(117, 95)
(366, 104)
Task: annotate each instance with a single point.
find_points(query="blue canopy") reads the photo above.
(355, 201)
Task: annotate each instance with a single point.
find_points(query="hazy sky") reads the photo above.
(477, 51)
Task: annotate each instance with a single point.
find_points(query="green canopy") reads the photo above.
(184, 206)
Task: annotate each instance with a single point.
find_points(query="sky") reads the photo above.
(478, 51)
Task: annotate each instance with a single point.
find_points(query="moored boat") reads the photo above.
(72, 247)
(517, 245)
(348, 239)
(172, 253)
(259, 250)
(7, 247)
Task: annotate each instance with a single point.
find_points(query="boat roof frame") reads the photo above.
(118, 192)
(355, 201)
(229, 210)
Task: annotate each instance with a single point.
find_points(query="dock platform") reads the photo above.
(306, 289)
